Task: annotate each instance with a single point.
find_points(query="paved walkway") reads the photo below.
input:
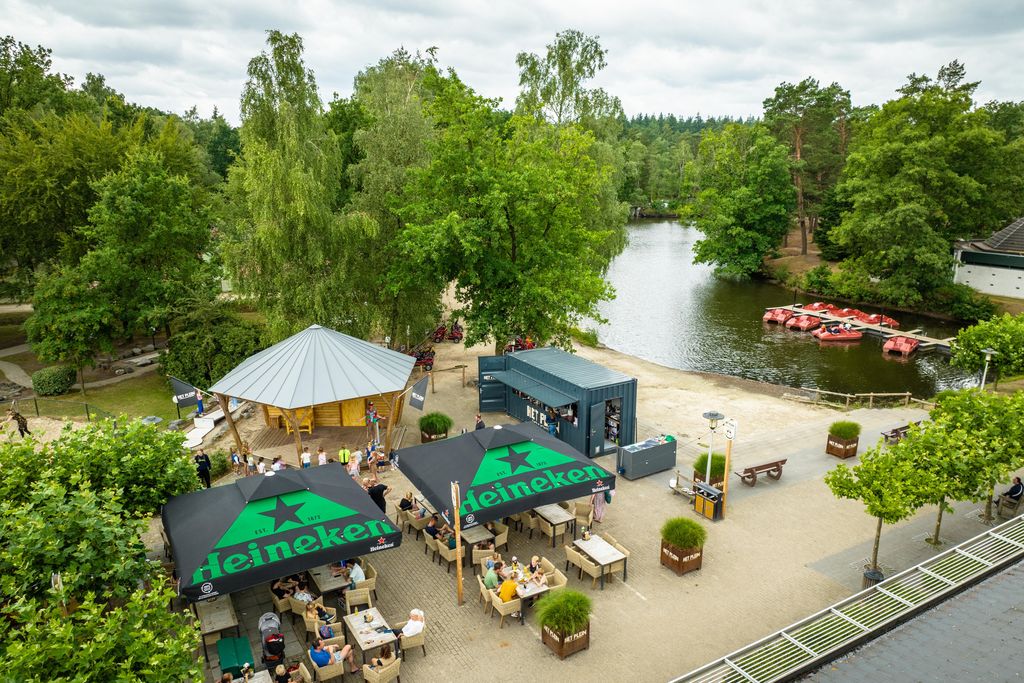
(17, 375)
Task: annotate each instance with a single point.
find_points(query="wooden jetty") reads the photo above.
(926, 343)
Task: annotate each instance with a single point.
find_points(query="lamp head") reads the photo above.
(989, 352)
(713, 418)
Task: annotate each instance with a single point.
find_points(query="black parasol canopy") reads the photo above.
(228, 538)
(502, 471)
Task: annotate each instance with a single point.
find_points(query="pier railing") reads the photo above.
(844, 400)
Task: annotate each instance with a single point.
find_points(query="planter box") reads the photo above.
(681, 560)
(841, 448)
(715, 481)
(564, 644)
(427, 438)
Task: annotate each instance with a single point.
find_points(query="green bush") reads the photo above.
(53, 381)
(565, 611)
(818, 280)
(963, 303)
(220, 463)
(586, 337)
(210, 341)
(844, 429)
(435, 423)
(700, 465)
(683, 532)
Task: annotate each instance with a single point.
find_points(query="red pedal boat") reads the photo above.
(836, 333)
(851, 312)
(903, 346)
(883, 320)
(777, 315)
(804, 323)
(819, 306)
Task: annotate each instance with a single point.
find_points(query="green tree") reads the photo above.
(743, 198)
(136, 640)
(888, 484)
(25, 78)
(209, 342)
(72, 320)
(289, 248)
(511, 211)
(1004, 334)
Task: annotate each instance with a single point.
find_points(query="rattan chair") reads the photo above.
(549, 529)
(313, 625)
(370, 582)
(479, 557)
(357, 596)
(572, 559)
(432, 546)
(409, 642)
(591, 569)
(505, 609)
(450, 555)
(584, 517)
(298, 607)
(418, 523)
(334, 669)
(500, 535)
(281, 605)
(547, 565)
(529, 523)
(556, 580)
(304, 673)
(383, 674)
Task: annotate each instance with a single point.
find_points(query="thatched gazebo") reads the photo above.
(319, 378)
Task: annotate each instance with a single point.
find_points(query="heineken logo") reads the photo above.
(525, 469)
(274, 529)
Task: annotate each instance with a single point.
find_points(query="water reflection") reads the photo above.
(671, 311)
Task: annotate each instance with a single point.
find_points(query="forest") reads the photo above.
(360, 212)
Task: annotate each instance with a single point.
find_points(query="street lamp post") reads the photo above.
(713, 419)
(989, 352)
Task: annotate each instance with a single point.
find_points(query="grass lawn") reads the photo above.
(11, 334)
(136, 397)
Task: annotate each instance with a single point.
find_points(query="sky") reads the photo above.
(679, 57)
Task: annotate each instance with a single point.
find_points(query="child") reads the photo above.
(321, 456)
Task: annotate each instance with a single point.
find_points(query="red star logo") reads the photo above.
(600, 483)
(381, 540)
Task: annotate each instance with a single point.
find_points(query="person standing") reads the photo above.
(199, 402)
(479, 422)
(321, 456)
(202, 461)
(598, 501)
(344, 455)
(377, 492)
(20, 420)
(307, 457)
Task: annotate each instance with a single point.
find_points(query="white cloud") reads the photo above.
(663, 57)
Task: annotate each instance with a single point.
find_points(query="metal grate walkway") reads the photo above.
(819, 638)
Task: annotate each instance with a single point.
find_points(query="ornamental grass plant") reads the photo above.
(683, 532)
(565, 611)
(435, 423)
(700, 465)
(844, 429)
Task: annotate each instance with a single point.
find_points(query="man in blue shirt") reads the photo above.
(325, 655)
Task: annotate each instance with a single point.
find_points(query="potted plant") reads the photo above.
(700, 468)
(843, 439)
(682, 544)
(434, 426)
(564, 618)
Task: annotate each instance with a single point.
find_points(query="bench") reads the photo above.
(894, 435)
(772, 469)
(1008, 507)
(682, 485)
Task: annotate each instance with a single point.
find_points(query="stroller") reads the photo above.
(272, 639)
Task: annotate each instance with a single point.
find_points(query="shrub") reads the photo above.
(211, 340)
(564, 611)
(1004, 334)
(683, 532)
(587, 337)
(435, 423)
(818, 280)
(220, 463)
(700, 465)
(963, 303)
(53, 381)
(844, 429)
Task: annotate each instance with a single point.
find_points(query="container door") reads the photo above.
(595, 442)
(492, 392)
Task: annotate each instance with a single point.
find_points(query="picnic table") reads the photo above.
(365, 635)
(555, 515)
(476, 534)
(602, 553)
(215, 615)
(325, 580)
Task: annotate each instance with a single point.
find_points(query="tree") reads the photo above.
(210, 341)
(925, 170)
(25, 78)
(289, 248)
(510, 210)
(72, 320)
(742, 199)
(1004, 334)
(138, 639)
(812, 122)
(888, 484)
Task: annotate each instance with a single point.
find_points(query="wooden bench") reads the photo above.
(1008, 507)
(682, 485)
(894, 435)
(772, 469)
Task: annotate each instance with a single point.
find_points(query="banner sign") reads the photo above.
(419, 393)
(184, 393)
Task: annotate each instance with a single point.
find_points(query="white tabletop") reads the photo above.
(599, 550)
(325, 581)
(261, 677)
(476, 534)
(425, 504)
(530, 590)
(555, 514)
(365, 632)
(216, 614)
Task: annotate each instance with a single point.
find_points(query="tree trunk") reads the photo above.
(874, 550)
(499, 348)
(934, 540)
(81, 377)
(988, 503)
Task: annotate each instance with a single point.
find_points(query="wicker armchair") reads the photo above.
(485, 594)
(383, 674)
(572, 558)
(479, 557)
(591, 569)
(529, 522)
(304, 673)
(281, 605)
(298, 607)
(370, 582)
(505, 609)
(584, 517)
(313, 625)
(451, 555)
(619, 566)
(556, 580)
(409, 642)
(547, 565)
(430, 545)
(402, 519)
(549, 529)
(483, 562)
(332, 670)
(418, 523)
(500, 535)
(357, 596)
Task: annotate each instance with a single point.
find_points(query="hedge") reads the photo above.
(53, 381)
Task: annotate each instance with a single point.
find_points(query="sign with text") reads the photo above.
(418, 394)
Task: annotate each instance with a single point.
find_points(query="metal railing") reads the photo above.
(811, 642)
(59, 408)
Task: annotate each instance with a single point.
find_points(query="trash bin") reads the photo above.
(872, 577)
(708, 501)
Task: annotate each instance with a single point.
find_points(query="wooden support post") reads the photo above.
(226, 407)
(456, 502)
(432, 389)
(391, 421)
(293, 418)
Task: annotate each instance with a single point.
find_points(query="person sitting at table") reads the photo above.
(1014, 493)
(539, 578)
(494, 559)
(432, 528)
(507, 590)
(408, 503)
(492, 577)
(355, 573)
(302, 592)
(413, 627)
(534, 565)
(283, 587)
(383, 658)
(318, 613)
(324, 655)
(281, 674)
(337, 568)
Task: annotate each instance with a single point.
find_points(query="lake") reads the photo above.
(671, 311)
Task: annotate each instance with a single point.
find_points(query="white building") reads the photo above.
(995, 265)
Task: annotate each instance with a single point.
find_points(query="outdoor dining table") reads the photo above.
(603, 553)
(426, 506)
(477, 534)
(325, 580)
(215, 615)
(528, 594)
(555, 515)
(365, 633)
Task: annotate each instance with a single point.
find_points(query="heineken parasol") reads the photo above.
(228, 538)
(511, 468)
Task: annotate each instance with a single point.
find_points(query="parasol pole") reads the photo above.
(458, 542)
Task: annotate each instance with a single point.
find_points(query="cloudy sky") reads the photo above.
(668, 56)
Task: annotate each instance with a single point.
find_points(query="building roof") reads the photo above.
(1009, 240)
(972, 636)
(571, 368)
(317, 365)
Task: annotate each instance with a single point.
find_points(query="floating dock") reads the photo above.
(925, 343)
